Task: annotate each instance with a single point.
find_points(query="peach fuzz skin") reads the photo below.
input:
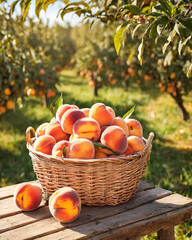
(99, 154)
(87, 128)
(62, 109)
(135, 128)
(118, 121)
(102, 114)
(115, 138)
(65, 204)
(86, 111)
(41, 130)
(69, 118)
(57, 150)
(28, 196)
(80, 148)
(55, 130)
(44, 144)
(135, 144)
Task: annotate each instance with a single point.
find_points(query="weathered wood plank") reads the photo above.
(143, 186)
(6, 198)
(6, 192)
(95, 224)
(159, 209)
(148, 226)
(166, 234)
(87, 214)
(24, 218)
(8, 207)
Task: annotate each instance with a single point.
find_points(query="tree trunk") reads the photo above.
(45, 104)
(178, 99)
(125, 83)
(95, 88)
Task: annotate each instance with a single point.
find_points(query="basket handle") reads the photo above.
(29, 131)
(149, 140)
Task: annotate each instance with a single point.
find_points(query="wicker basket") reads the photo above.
(99, 182)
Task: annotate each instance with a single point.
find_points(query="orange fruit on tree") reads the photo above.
(41, 84)
(147, 78)
(91, 83)
(31, 92)
(10, 104)
(172, 75)
(12, 83)
(7, 91)
(131, 71)
(42, 71)
(2, 109)
(50, 93)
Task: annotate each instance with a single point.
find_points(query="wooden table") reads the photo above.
(150, 210)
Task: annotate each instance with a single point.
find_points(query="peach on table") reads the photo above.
(28, 196)
(65, 204)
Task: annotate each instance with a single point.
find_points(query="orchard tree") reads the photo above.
(171, 19)
(24, 68)
(168, 24)
(97, 60)
(167, 70)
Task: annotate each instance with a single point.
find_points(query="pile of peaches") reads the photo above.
(84, 134)
(89, 133)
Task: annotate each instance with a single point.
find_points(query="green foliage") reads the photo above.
(129, 113)
(100, 145)
(30, 55)
(172, 19)
(97, 60)
(56, 105)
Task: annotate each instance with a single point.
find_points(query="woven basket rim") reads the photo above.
(49, 158)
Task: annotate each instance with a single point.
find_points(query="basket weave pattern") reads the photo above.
(99, 182)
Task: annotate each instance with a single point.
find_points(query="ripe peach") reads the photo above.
(87, 128)
(69, 118)
(31, 92)
(65, 204)
(54, 120)
(147, 78)
(172, 75)
(135, 127)
(121, 123)
(73, 137)
(41, 130)
(115, 138)
(28, 196)
(102, 114)
(10, 105)
(55, 130)
(80, 148)
(7, 91)
(57, 150)
(135, 144)
(44, 144)
(99, 154)
(62, 109)
(2, 109)
(86, 111)
(110, 109)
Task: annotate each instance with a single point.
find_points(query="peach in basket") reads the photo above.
(101, 169)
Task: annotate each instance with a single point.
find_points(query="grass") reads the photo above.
(171, 159)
